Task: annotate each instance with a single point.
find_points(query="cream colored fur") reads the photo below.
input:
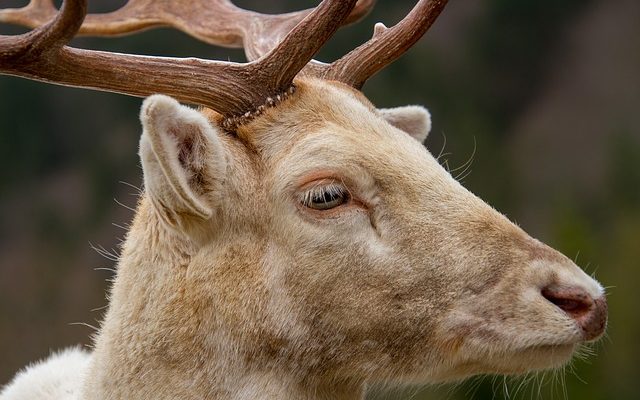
(415, 120)
(59, 377)
(229, 288)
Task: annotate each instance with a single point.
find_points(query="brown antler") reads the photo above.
(386, 45)
(230, 88)
(216, 22)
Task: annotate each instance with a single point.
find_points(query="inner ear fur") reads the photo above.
(182, 159)
(415, 120)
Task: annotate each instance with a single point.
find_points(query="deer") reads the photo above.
(292, 240)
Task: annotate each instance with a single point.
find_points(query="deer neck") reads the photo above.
(156, 342)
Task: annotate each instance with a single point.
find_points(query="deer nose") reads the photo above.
(589, 313)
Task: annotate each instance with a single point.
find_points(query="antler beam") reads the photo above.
(230, 88)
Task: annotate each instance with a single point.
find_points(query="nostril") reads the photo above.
(573, 301)
(590, 314)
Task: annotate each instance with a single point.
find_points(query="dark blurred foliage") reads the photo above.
(542, 97)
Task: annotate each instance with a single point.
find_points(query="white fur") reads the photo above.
(56, 378)
(414, 120)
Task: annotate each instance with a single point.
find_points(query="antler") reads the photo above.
(386, 45)
(230, 88)
(217, 22)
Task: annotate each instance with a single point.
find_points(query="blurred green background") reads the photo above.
(543, 95)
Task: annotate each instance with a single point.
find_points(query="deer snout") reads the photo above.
(588, 312)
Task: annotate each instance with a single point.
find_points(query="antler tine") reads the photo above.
(33, 15)
(217, 22)
(230, 88)
(386, 45)
(48, 39)
(303, 41)
(263, 36)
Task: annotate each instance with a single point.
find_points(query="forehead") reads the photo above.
(326, 126)
(315, 104)
(323, 116)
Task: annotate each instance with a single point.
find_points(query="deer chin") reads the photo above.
(504, 363)
(533, 359)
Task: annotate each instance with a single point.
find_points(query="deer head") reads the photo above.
(292, 238)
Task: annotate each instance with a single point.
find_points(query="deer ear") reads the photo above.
(182, 159)
(415, 120)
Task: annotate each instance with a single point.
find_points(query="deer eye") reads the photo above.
(325, 197)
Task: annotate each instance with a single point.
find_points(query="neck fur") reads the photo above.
(155, 342)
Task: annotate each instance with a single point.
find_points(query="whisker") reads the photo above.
(563, 376)
(123, 205)
(84, 324)
(444, 144)
(469, 161)
(109, 255)
(505, 388)
(105, 269)
(461, 179)
(124, 227)
(138, 190)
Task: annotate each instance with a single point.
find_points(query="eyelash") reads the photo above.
(324, 197)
